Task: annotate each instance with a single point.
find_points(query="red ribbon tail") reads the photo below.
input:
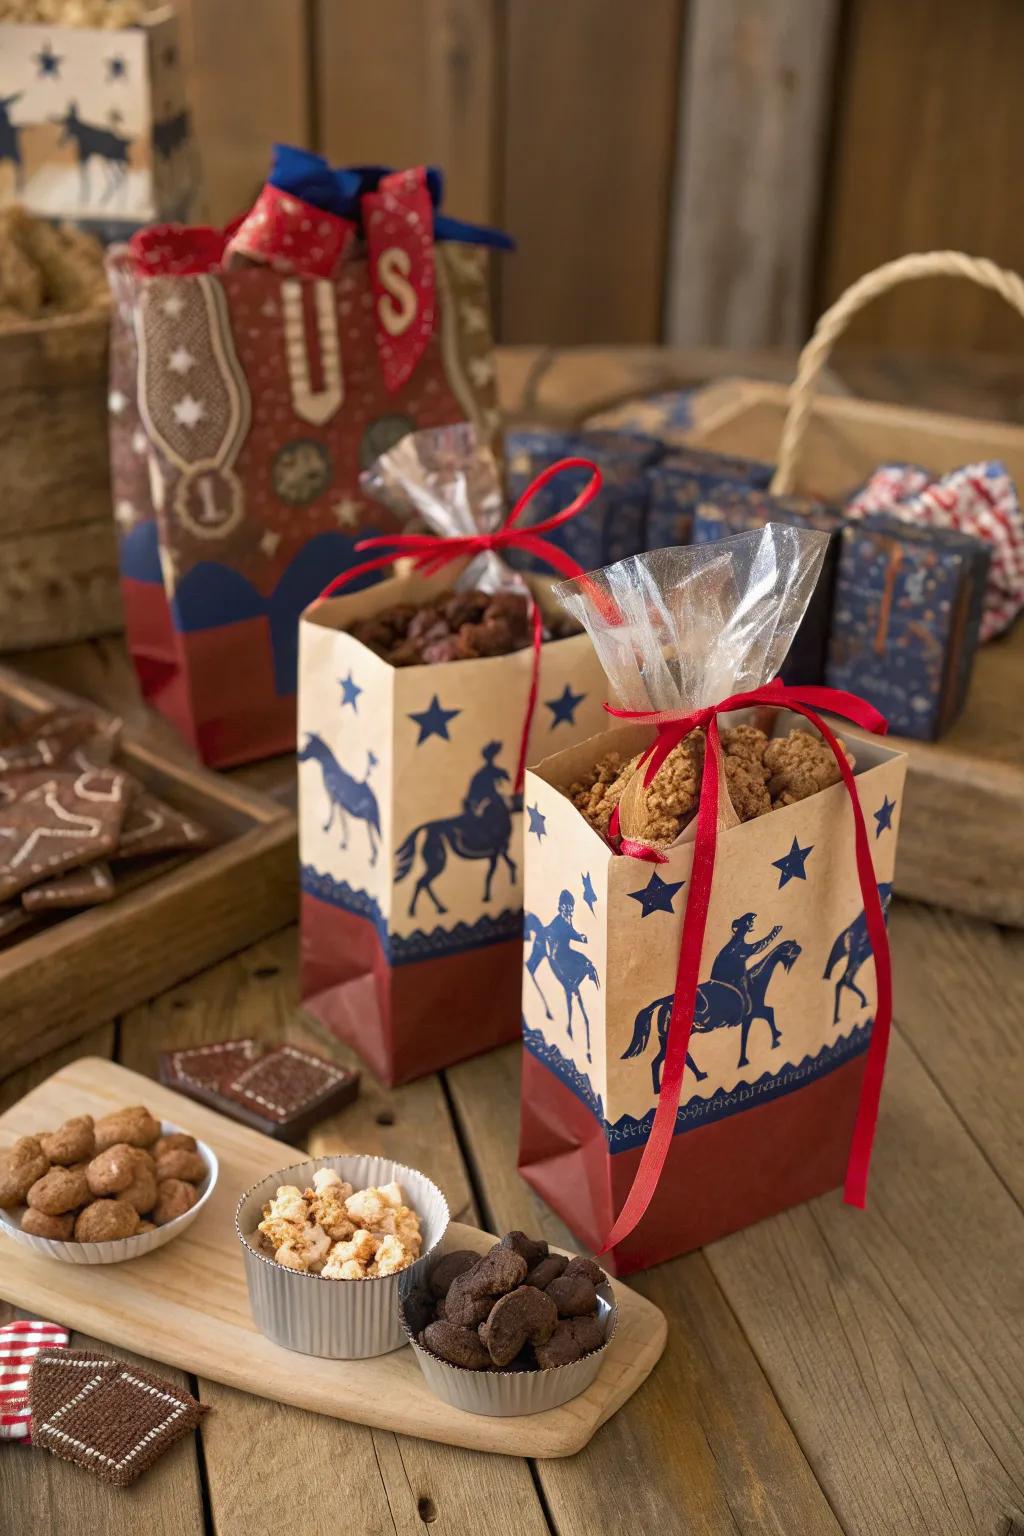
(695, 918)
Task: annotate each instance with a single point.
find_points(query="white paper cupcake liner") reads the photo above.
(121, 1248)
(508, 1394)
(336, 1319)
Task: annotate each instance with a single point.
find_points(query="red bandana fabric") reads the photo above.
(20, 1342)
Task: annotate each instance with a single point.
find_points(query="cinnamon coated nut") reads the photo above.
(111, 1170)
(524, 1316)
(135, 1126)
(175, 1141)
(74, 1142)
(179, 1163)
(173, 1198)
(38, 1224)
(19, 1169)
(104, 1220)
(58, 1191)
(457, 1345)
(142, 1191)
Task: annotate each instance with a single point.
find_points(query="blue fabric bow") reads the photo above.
(340, 191)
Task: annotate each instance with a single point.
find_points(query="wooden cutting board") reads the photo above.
(187, 1305)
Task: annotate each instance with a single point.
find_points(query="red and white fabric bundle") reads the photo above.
(979, 499)
(20, 1342)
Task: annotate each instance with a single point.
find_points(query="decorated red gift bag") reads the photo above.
(420, 700)
(706, 994)
(255, 372)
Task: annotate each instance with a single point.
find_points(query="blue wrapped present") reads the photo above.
(907, 616)
(735, 509)
(682, 480)
(612, 527)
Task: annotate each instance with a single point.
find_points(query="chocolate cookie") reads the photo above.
(524, 1316)
(570, 1341)
(573, 1295)
(449, 1268)
(459, 1346)
(547, 1270)
(528, 1248)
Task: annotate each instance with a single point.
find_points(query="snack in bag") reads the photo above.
(410, 776)
(650, 1136)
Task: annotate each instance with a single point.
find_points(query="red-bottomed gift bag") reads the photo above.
(705, 1014)
(256, 371)
(411, 824)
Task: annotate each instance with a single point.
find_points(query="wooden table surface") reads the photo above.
(827, 1371)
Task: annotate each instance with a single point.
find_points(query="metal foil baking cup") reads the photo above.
(118, 1249)
(508, 1394)
(336, 1319)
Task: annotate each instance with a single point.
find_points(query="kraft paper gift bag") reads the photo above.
(255, 373)
(410, 806)
(647, 1137)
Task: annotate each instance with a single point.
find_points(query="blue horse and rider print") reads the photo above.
(553, 942)
(482, 829)
(853, 946)
(734, 996)
(346, 796)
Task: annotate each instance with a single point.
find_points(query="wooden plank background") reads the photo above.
(710, 172)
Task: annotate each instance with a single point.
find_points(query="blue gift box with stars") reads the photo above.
(411, 831)
(908, 606)
(94, 123)
(784, 1008)
(684, 479)
(614, 525)
(736, 509)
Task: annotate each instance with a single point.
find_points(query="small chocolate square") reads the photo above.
(288, 1090)
(202, 1070)
(109, 1417)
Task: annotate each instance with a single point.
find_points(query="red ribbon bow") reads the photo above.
(431, 552)
(672, 728)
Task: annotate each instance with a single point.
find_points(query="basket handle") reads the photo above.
(905, 269)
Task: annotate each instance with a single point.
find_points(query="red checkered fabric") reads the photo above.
(20, 1342)
(979, 499)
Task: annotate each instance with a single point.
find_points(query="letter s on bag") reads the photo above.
(397, 307)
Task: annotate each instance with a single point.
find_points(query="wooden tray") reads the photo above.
(176, 917)
(962, 827)
(187, 1304)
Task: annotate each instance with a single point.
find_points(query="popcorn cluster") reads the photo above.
(340, 1233)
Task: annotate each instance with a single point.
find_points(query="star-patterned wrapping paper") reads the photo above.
(406, 798)
(734, 508)
(94, 124)
(613, 526)
(909, 604)
(244, 405)
(783, 949)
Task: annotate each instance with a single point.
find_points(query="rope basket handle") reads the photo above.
(905, 269)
